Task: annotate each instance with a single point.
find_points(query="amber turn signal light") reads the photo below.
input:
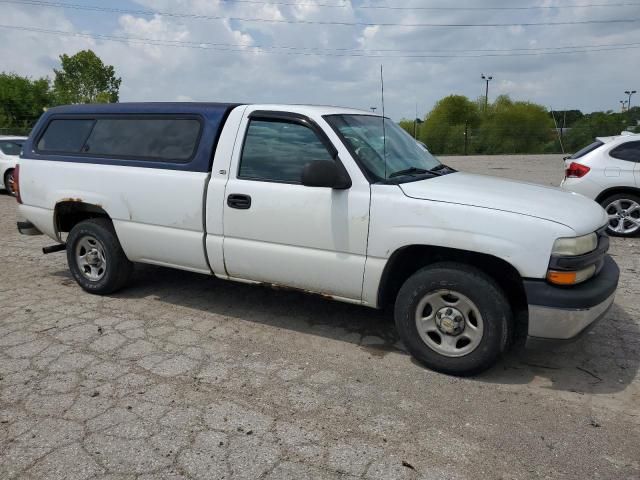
(571, 278)
(561, 278)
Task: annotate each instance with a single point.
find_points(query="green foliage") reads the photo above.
(590, 126)
(22, 101)
(504, 127)
(566, 118)
(84, 78)
(633, 116)
(407, 125)
(444, 128)
(507, 126)
(514, 127)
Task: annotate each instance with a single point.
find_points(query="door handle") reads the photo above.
(239, 201)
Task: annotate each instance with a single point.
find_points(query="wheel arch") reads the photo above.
(407, 260)
(69, 212)
(616, 190)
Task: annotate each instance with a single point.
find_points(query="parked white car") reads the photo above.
(326, 200)
(10, 148)
(608, 171)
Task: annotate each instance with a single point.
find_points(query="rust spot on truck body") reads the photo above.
(283, 288)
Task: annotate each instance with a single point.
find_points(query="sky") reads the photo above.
(330, 51)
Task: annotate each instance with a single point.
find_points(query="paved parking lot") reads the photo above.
(185, 376)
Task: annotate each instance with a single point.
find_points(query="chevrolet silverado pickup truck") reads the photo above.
(327, 200)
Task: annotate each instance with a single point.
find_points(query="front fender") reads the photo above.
(397, 221)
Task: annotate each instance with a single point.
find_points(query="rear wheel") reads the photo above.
(9, 183)
(453, 318)
(96, 258)
(624, 214)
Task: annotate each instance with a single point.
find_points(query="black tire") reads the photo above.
(489, 299)
(8, 183)
(625, 198)
(117, 267)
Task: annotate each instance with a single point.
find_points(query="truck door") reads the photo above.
(278, 231)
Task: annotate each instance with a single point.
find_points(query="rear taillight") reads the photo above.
(16, 183)
(576, 170)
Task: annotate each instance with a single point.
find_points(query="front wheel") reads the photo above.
(624, 214)
(95, 257)
(453, 318)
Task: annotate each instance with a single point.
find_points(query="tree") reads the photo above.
(445, 126)
(412, 127)
(633, 118)
(569, 117)
(84, 78)
(514, 127)
(592, 125)
(22, 101)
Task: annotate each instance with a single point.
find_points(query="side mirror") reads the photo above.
(324, 173)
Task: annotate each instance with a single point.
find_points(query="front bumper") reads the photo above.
(562, 314)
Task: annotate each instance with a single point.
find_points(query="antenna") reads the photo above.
(558, 132)
(384, 134)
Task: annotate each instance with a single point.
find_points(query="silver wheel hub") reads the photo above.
(624, 216)
(449, 323)
(90, 258)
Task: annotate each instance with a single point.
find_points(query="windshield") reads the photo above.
(11, 147)
(364, 134)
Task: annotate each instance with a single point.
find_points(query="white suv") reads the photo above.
(9, 152)
(608, 171)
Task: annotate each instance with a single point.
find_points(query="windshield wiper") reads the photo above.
(410, 171)
(442, 166)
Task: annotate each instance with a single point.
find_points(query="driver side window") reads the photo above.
(277, 151)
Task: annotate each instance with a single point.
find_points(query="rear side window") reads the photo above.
(11, 147)
(585, 150)
(66, 136)
(627, 151)
(277, 151)
(156, 139)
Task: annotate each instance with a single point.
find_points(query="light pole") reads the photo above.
(623, 103)
(416, 122)
(373, 109)
(630, 93)
(487, 79)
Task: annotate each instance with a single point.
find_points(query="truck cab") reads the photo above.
(332, 201)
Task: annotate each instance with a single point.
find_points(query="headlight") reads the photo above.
(572, 247)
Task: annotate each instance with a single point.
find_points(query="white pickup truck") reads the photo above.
(332, 201)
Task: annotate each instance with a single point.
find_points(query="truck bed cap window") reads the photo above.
(155, 138)
(65, 135)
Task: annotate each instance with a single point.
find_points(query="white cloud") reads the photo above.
(151, 72)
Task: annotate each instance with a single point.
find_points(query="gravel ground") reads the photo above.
(185, 376)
